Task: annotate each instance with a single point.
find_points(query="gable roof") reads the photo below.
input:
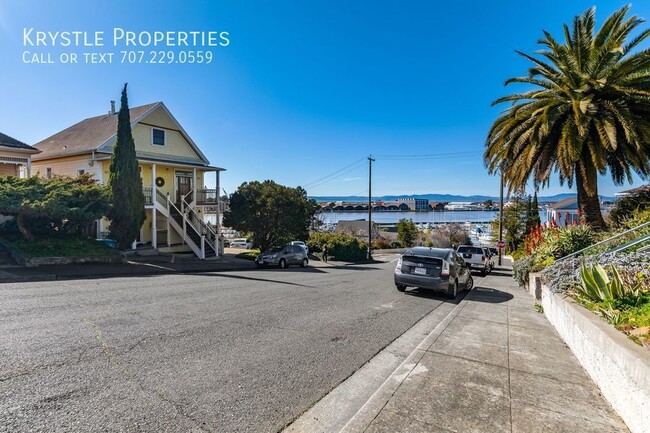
(355, 228)
(633, 190)
(12, 143)
(97, 134)
(565, 204)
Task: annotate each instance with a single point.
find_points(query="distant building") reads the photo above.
(631, 191)
(15, 157)
(416, 204)
(563, 212)
(437, 206)
(358, 229)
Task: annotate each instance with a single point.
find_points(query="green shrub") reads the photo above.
(627, 206)
(521, 268)
(380, 244)
(340, 246)
(71, 246)
(571, 239)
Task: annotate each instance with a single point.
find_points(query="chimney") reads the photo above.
(112, 107)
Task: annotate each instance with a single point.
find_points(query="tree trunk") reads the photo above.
(588, 201)
(22, 228)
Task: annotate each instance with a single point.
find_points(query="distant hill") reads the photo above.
(442, 197)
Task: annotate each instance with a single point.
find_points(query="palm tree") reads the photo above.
(589, 112)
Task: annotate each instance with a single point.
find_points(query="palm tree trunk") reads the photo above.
(588, 201)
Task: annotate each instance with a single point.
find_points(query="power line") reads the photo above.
(338, 172)
(427, 156)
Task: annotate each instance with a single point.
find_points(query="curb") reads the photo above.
(369, 411)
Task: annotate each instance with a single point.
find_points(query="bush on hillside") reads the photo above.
(629, 205)
(340, 246)
(564, 276)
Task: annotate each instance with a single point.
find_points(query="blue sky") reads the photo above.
(305, 88)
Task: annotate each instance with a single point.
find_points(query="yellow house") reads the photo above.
(172, 168)
(15, 157)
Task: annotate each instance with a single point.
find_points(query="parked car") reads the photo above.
(283, 257)
(440, 269)
(302, 244)
(476, 257)
(241, 243)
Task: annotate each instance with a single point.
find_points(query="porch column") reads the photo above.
(193, 186)
(29, 167)
(217, 225)
(154, 227)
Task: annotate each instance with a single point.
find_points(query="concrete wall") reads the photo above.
(619, 367)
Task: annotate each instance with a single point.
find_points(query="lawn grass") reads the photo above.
(248, 255)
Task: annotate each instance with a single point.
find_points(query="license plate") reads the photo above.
(421, 271)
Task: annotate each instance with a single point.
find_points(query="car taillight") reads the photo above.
(483, 258)
(445, 267)
(398, 268)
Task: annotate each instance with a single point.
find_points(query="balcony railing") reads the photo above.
(203, 196)
(148, 193)
(206, 196)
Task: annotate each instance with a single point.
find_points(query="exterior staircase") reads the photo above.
(201, 238)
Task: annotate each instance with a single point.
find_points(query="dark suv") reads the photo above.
(440, 269)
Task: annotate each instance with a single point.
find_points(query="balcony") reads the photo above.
(148, 194)
(206, 196)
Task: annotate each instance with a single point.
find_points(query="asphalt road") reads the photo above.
(228, 352)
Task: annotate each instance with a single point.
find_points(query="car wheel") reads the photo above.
(454, 290)
(305, 262)
(470, 283)
(283, 264)
(400, 287)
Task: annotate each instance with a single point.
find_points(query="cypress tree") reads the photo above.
(535, 211)
(127, 211)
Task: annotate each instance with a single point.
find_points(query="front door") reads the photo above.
(183, 184)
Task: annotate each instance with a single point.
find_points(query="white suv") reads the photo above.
(476, 258)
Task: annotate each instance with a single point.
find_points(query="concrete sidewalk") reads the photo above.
(493, 365)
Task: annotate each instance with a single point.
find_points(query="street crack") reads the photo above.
(130, 376)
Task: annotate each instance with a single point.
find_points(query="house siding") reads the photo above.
(68, 166)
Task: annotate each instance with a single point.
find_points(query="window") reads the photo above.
(158, 136)
(48, 172)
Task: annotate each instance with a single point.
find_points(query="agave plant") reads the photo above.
(597, 286)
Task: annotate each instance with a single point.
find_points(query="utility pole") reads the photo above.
(501, 217)
(370, 160)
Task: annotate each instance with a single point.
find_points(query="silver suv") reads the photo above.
(476, 258)
(283, 257)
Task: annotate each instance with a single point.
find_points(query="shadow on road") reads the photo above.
(358, 267)
(432, 294)
(489, 295)
(242, 277)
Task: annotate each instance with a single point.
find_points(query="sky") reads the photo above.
(304, 92)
